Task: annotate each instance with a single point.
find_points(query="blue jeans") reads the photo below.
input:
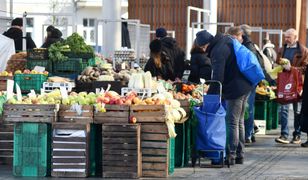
(235, 127)
(284, 115)
(249, 125)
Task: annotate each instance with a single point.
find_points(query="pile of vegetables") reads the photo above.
(90, 74)
(74, 44)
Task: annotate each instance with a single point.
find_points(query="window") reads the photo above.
(88, 22)
(85, 34)
(29, 22)
(92, 38)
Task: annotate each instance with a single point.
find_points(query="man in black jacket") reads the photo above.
(15, 33)
(236, 89)
(176, 54)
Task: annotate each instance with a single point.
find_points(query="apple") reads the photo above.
(128, 102)
(18, 72)
(10, 74)
(136, 100)
(26, 71)
(133, 120)
(106, 100)
(4, 73)
(45, 73)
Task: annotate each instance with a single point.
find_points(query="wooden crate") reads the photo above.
(70, 155)
(113, 114)
(3, 80)
(148, 113)
(154, 147)
(185, 105)
(44, 113)
(68, 115)
(121, 151)
(6, 143)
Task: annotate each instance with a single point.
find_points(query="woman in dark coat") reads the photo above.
(159, 64)
(304, 110)
(54, 35)
(200, 64)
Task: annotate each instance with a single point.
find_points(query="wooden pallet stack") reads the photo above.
(6, 143)
(3, 81)
(121, 151)
(71, 142)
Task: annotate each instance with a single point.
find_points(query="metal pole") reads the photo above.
(96, 35)
(11, 8)
(137, 42)
(187, 29)
(24, 31)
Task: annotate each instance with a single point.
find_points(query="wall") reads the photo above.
(269, 14)
(169, 14)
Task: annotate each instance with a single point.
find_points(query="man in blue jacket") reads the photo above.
(236, 89)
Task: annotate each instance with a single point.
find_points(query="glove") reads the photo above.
(287, 66)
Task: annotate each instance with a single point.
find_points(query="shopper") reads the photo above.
(54, 35)
(269, 51)
(15, 33)
(304, 111)
(159, 63)
(297, 55)
(200, 64)
(236, 89)
(176, 54)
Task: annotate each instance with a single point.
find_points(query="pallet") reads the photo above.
(155, 150)
(70, 155)
(43, 113)
(113, 114)
(148, 113)
(3, 80)
(121, 151)
(71, 116)
(6, 143)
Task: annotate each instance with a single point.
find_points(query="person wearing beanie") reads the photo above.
(159, 64)
(15, 33)
(235, 90)
(54, 36)
(160, 33)
(175, 53)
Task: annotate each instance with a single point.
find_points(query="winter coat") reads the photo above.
(176, 54)
(200, 67)
(269, 52)
(304, 110)
(16, 34)
(125, 36)
(225, 69)
(54, 37)
(300, 59)
(165, 72)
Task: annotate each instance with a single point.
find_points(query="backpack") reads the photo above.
(266, 62)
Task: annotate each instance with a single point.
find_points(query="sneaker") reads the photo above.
(248, 141)
(230, 162)
(239, 160)
(305, 144)
(296, 140)
(282, 139)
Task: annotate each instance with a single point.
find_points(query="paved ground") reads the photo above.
(265, 160)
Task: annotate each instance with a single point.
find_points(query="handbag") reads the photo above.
(247, 63)
(289, 86)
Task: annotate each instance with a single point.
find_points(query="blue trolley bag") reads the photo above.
(211, 129)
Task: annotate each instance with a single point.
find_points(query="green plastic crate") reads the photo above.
(270, 115)
(95, 150)
(43, 63)
(179, 145)
(188, 144)
(275, 115)
(27, 82)
(261, 110)
(70, 66)
(32, 149)
(171, 155)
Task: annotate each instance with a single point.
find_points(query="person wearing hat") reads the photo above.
(175, 53)
(159, 63)
(54, 35)
(235, 90)
(200, 64)
(15, 33)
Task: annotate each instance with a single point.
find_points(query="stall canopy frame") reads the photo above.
(136, 21)
(269, 31)
(171, 32)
